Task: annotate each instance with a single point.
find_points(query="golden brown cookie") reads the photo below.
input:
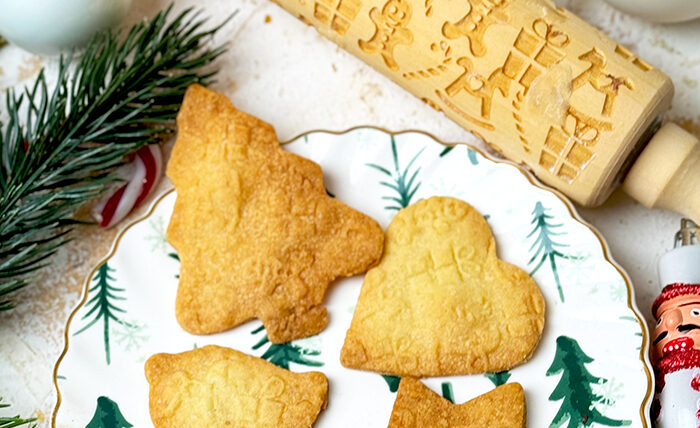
(257, 234)
(416, 406)
(441, 302)
(220, 387)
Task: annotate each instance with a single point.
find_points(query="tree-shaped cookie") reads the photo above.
(256, 232)
(441, 302)
(220, 387)
(416, 406)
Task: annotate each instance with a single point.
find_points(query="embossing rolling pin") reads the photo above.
(538, 84)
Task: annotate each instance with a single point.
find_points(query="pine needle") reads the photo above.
(13, 421)
(59, 146)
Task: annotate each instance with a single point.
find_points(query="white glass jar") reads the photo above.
(660, 10)
(49, 26)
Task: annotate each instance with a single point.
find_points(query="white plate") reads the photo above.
(591, 361)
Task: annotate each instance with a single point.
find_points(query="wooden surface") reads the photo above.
(284, 72)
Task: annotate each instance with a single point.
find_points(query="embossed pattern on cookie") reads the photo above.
(416, 406)
(257, 234)
(441, 302)
(216, 387)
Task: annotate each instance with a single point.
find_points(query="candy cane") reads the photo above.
(141, 177)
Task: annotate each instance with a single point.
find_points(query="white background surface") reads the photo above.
(285, 73)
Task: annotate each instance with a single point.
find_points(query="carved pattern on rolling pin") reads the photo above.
(533, 52)
(567, 149)
(602, 81)
(435, 70)
(475, 85)
(627, 54)
(539, 48)
(482, 14)
(390, 30)
(428, 8)
(337, 14)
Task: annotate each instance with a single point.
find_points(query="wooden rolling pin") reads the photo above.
(538, 84)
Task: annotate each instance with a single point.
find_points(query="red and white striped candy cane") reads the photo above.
(141, 177)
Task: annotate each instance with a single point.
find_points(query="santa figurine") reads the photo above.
(676, 339)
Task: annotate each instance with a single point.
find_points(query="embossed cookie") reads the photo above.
(416, 406)
(257, 234)
(441, 302)
(220, 387)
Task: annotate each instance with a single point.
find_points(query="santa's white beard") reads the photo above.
(679, 400)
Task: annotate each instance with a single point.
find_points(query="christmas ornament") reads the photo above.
(676, 346)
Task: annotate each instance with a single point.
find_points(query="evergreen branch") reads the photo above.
(13, 421)
(59, 145)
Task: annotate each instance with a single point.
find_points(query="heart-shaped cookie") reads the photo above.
(441, 302)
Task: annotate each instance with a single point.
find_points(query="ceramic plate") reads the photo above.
(589, 367)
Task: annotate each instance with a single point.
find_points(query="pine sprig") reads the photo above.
(59, 146)
(13, 421)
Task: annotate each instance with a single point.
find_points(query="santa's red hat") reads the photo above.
(672, 291)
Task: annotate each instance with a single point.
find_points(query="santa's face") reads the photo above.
(678, 327)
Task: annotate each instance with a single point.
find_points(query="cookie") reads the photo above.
(216, 387)
(257, 234)
(416, 406)
(441, 302)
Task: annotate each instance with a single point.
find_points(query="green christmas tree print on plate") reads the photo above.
(103, 305)
(392, 382)
(404, 187)
(108, 415)
(282, 354)
(545, 246)
(499, 378)
(471, 153)
(447, 392)
(580, 402)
